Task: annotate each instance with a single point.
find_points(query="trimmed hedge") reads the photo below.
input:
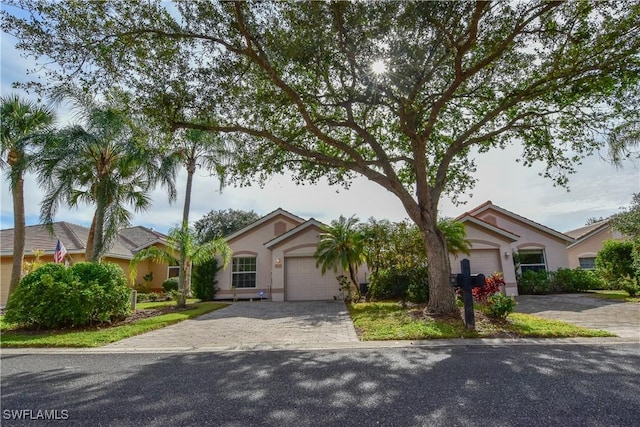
(410, 284)
(563, 280)
(55, 296)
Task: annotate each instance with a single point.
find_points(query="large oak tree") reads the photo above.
(295, 87)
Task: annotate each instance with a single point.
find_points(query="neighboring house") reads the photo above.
(274, 257)
(496, 235)
(74, 238)
(588, 242)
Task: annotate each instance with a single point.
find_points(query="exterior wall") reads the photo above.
(159, 271)
(591, 246)
(555, 248)
(482, 238)
(252, 243)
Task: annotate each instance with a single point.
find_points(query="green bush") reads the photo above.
(499, 306)
(171, 284)
(615, 262)
(55, 296)
(576, 280)
(534, 282)
(629, 285)
(409, 284)
(203, 280)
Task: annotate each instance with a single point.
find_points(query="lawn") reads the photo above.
(615, 295)
(12, 336)
(390, 321)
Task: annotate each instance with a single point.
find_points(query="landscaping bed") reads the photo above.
(147, 318)
(393, 321)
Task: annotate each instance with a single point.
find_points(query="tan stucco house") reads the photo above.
(588, 242)
(273, 258)
(497, 235)
(74, 238)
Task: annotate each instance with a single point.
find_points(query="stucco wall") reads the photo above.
(590, 247)
(532, 238)
(252, 243)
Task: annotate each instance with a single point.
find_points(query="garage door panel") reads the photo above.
(305, 282)
(485, 261)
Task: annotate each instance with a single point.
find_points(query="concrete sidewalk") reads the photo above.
(620, 318)
(251, 324)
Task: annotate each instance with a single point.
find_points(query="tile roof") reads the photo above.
(581, 232)
(74, 238)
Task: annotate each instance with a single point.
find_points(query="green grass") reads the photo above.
(389, 321)
(11, 337)
(160, 304)
(615, 295)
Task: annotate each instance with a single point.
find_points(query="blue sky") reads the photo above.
(597, 189)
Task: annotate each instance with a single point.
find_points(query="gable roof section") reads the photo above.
(281, 238)
(74, 237)
(481, 223)
(139, 237)
(263, 220)
(581, 232)
(488, 205)
(588, 231)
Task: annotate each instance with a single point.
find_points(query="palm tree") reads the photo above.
(455, 235)
(196, 149)
(341, 244)
(107, 162)
(182, 244)
(24, 123)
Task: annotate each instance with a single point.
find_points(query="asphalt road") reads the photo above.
(537, 385)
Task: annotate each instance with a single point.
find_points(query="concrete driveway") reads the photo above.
(620, 318)
(253, 325)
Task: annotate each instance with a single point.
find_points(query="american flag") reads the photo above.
(60, 252)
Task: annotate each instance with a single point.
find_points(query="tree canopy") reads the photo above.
(294, 86)
(222, 223)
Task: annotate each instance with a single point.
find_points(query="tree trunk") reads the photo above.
(354, 280)
(441, 296)
(98, 238)
(184, 278)
(18, 232)
(88, 253)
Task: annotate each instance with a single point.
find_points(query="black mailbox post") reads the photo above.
(467, 282)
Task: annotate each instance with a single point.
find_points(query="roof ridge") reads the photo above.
(72, 234)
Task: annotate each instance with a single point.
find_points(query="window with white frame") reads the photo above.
(173, 271)
(587, 263)
(532, 260)
(243, 272)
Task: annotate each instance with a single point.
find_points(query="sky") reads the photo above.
(598, 189)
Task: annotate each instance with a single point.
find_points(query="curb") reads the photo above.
(360, 345)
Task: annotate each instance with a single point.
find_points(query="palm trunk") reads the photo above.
(88, 254)
(354, 280)
(98, 242)
(184, 278)
(18, 232)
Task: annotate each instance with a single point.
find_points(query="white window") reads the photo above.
(243, 272)
(587, 263)
(532, 260)
(173, 271)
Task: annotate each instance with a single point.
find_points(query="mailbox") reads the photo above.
(477, 280)
(469, 281)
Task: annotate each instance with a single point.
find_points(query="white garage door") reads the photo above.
(485, 261)
(304, 282)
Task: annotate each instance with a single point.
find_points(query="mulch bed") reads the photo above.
(486, 326)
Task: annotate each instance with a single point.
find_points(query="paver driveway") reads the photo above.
(245, 325)
(620, 318)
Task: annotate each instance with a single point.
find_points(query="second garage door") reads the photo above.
(305, 282)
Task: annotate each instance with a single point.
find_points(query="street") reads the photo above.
(547, 384)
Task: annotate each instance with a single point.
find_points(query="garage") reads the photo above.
(485, 261)
(305, 282)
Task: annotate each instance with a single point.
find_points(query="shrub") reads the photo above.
(533, 282)
(491, 286)
(171, 284)
(203, 281)
(407, 284)
(614, 262)
(500, 305)
(629, 285)
(55, 296)
(577, 280)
